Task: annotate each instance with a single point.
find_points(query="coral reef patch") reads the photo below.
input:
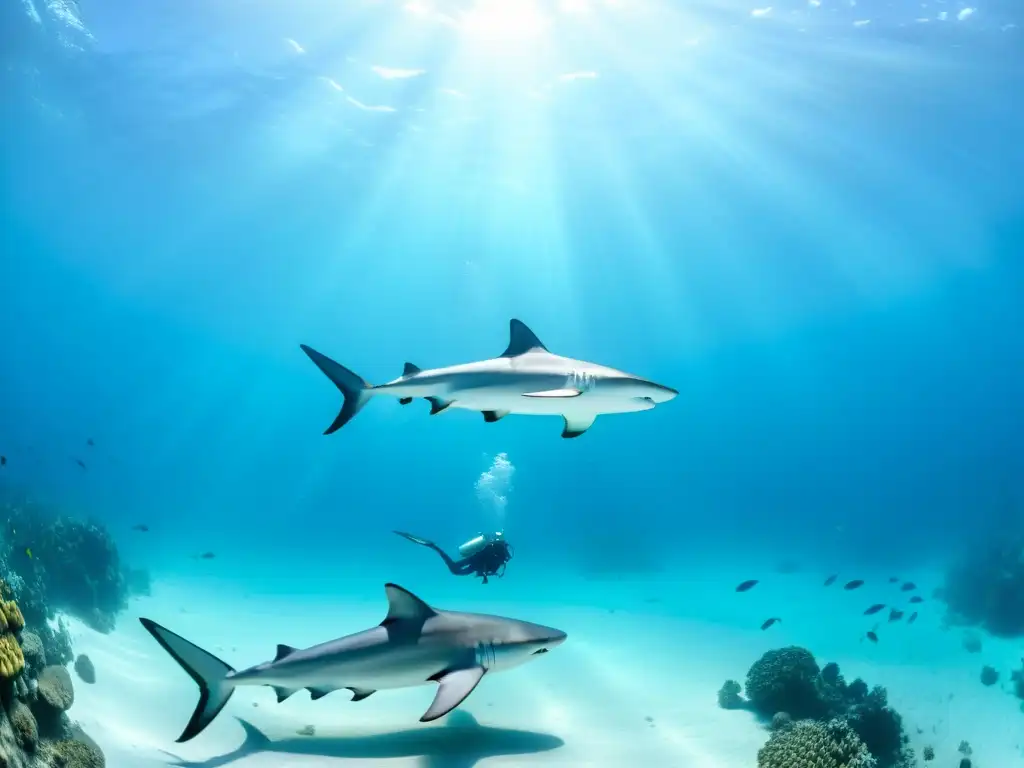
(787, 688)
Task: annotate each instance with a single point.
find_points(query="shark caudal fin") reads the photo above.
(356, 391)
(209, 672)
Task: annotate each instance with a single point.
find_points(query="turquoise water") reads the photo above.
(804, 218)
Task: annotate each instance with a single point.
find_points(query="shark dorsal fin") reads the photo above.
(521, 340)
(283, 651)
(410, 369)
(403, 605)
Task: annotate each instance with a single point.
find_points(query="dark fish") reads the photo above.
(769, 623)
(913, 618)
(90, 443)
(207, 556)
(895, 615)
(872, 637)
(746, 585)
(81, 463)
(140, 527)
(3, 460)
(908, 587)
(874, 609)
(917, 599)
(831, 580)
(893, 579)
(854, 584)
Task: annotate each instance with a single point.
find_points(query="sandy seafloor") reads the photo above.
(634, 685)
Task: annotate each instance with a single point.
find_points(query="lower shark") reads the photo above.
(525, 379)
(414, 645)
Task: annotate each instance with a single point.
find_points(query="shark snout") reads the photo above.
(660, 394)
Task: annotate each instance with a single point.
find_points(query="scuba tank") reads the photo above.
(477, 543)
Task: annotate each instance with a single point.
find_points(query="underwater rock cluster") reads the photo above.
(35, 731)
(54, 562)
(787, 685)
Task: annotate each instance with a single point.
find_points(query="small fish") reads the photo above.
(913, 618)
(917, 599)
(854, 584)
(90, 443)
(141, 527)
(28, 551)
(769, 623)
(874, 609)
(908, 587)
(831, 580)
(872, 637)
(750, 584)
(207, 556)
(81, 463)
(3, 461)
(893, 579)
(895, 615)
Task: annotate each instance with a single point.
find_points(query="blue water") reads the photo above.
(810, 226)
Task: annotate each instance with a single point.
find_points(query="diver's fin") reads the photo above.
(283, 651)
(453, 688)
(283, 693)
(521, 340)
(577, 425)
(404, 400)
(403, 605)
(319, 693)
(358, 694)
(207, 670)
(555, 393)
(410, 369)
(492, 416)
(414, 539)
(437, 405)
(356, 391)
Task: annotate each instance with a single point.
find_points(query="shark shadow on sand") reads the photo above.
(460, 744)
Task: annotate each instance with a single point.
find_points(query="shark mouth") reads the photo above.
(539, 651)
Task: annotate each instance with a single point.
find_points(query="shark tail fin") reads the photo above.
(209, 672)
(356, 391)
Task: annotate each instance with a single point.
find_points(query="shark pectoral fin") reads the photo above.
(283, 693)
(404, 400)
(437, 405)
(283, 651)
(403, 605)
(521, 340)
(453, 688)
(492, 416)
(358, 694)
(555, 393)
(411, 369)
(577, 425)
(319, 693)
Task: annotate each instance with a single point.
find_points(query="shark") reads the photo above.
(414, 645)
(525, 379)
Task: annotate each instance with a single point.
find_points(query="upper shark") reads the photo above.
(414, 645)
(526, 379)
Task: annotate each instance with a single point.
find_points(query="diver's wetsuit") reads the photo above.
(490, 560)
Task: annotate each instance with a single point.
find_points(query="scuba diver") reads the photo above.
(484, 555)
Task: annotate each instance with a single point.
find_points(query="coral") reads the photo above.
(11, 619)
(971, 642)
(780, 721)
(55, 688)
(729, 696)
(78, 752)
(25, 727)
(928, 753)
(85, 669)
(880, 727)
(32, 648)
(785, 680)
(12, 661)
(810, 744)
(989, 676)
(965, 749)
